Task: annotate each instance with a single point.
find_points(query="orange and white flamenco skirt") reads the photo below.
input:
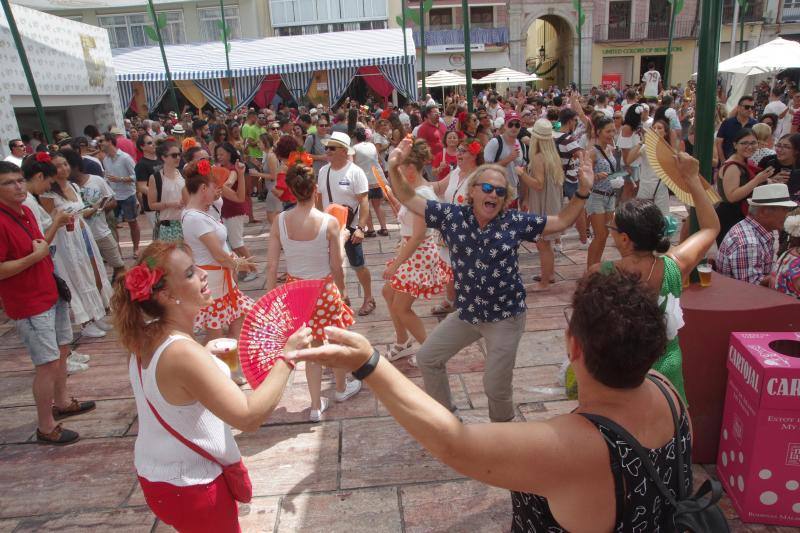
(329, 311)
(424, 274)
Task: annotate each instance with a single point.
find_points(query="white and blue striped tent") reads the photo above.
(340, 53)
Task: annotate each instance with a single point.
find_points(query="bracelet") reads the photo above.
(367, 368)
(582, 196)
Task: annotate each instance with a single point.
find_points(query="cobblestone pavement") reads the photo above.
(355, 471)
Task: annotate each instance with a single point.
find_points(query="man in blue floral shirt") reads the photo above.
(484, 238)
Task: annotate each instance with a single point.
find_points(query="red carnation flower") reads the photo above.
(140, 281)
(43, 157)
(204, 167)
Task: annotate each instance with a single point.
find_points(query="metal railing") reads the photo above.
(456, 36)
(642, 31)
(753, 13)
(791, 14)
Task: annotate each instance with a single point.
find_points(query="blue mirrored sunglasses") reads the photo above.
(488, 188)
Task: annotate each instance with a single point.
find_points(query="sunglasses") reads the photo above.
(146, 143)
(488, 188)
(331, 148)
(514, 124)
(322, 124)
(18, 146)
(274, 129)
(747, 107)
(175, 155)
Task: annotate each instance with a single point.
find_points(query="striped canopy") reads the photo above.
(271, 55)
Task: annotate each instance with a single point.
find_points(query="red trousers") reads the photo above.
(195, 508)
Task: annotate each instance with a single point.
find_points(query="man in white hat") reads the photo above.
(747, 251)
(343, 182)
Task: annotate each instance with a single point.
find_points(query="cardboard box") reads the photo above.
(759, 448)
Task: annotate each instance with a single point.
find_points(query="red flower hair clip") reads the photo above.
(43, 157)
(300, 157)
(204, 167)
(141, 279)
(187, 143)
(474, 147)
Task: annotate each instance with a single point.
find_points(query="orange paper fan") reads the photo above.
(661, 157)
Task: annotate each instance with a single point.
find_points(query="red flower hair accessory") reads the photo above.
(187, 143)
(474, 147)
(300, 157)
(141, 279)
(43, 157)
(203, 167)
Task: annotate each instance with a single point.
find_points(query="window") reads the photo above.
(481, 17)
(209, 23)
(307, 12)
(79, 18)
(282, 11)
(440, 19)
(128, 30)
(658, 19)
(619, 19)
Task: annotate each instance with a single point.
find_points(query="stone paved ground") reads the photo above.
(355, 471)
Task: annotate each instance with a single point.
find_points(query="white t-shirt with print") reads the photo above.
(93, 191)
(346, 184)
(651, 79)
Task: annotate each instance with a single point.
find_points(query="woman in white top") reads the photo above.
(310, 240)
(417, 270)
(631, 134)
(155, 307)
(168, 199)
(268, 173)
(650, 186)
(208, 239)
(77, 258)
(454, 189)
(366, 158)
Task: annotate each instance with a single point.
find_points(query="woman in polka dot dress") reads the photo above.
(310, 240)
(418, 270)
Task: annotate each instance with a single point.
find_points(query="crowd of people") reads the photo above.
(467, 188)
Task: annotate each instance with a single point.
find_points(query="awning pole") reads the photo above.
(467, 53)
(26, 67)
(224, 28)
(422, 44)
(157, 28)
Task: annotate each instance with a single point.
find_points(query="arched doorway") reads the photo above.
(549, 50)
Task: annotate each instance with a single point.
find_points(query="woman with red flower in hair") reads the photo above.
(284, 148)
(417, 270)
(453, 189)
(208, 239)
(187, 461)
(447, 159)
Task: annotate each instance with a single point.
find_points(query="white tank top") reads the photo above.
(456, 193)
(306, 259)
(158, 456)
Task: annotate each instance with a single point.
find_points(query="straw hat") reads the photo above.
(772, 195)
(338, 138)
(543, 129)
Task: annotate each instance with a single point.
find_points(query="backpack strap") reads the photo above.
(328, 183)
(159, 183)
(499, 148)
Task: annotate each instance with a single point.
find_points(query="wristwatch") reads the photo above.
(367, 368)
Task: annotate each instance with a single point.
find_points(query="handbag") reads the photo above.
(235, 475)
(698, 513)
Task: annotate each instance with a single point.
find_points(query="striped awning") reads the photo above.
(271, 55)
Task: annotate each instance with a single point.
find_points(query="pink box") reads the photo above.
(759, 448)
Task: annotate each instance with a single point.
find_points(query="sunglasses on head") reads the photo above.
(488, 188)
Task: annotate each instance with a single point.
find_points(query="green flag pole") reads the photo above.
(224, 31)
(743, 4)
(26, 67)
(579, 28)
(422, 43)
(676, 7)
(467, 54)
(155, 34)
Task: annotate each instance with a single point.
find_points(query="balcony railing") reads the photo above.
(488, 36)
(791, 14)
(642, 31)
(753, 13)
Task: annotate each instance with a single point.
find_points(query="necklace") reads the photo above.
(652, 267)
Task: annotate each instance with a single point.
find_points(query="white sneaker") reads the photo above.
(77, 357)
(315, 415)
(350, 390)
(248, 276)
(398, 351)
(584, 245)
(103, 324)
(92, 331)
(412, 361)
(74, 368)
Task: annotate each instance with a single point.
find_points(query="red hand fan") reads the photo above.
(270, 323)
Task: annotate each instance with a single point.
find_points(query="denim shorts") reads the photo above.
(570, 189)
(375, 194)
(129, 208)
(42, 334)
(600, 203)
(355, 253)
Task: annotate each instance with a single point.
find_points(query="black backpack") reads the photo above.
(499, 149)
(699, 513)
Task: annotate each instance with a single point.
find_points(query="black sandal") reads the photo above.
(370, 233)
(383, 232)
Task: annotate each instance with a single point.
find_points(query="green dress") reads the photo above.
(671, 363)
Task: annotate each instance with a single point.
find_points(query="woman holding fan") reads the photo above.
(185, 401)
(310, 240)
(417, 270)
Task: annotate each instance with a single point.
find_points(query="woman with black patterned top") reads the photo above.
(567, 473)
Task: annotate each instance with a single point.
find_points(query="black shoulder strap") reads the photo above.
(603, 153)
(159, 183)
(26, 230)
(499, 149)
(642, 453)
(328, 183)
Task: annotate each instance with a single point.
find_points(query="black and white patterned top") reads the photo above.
(485, 261)
(640, 506)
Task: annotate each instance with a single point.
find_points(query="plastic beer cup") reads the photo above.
(705, 274)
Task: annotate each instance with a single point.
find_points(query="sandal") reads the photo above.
(398, 351)
(367, 308)
(537, 277)
(74, 408)
(444, 308)
(370, 233)
(383, 232)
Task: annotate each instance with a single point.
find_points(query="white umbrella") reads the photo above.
(444, 78)
(778, 54)
(507, 75)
